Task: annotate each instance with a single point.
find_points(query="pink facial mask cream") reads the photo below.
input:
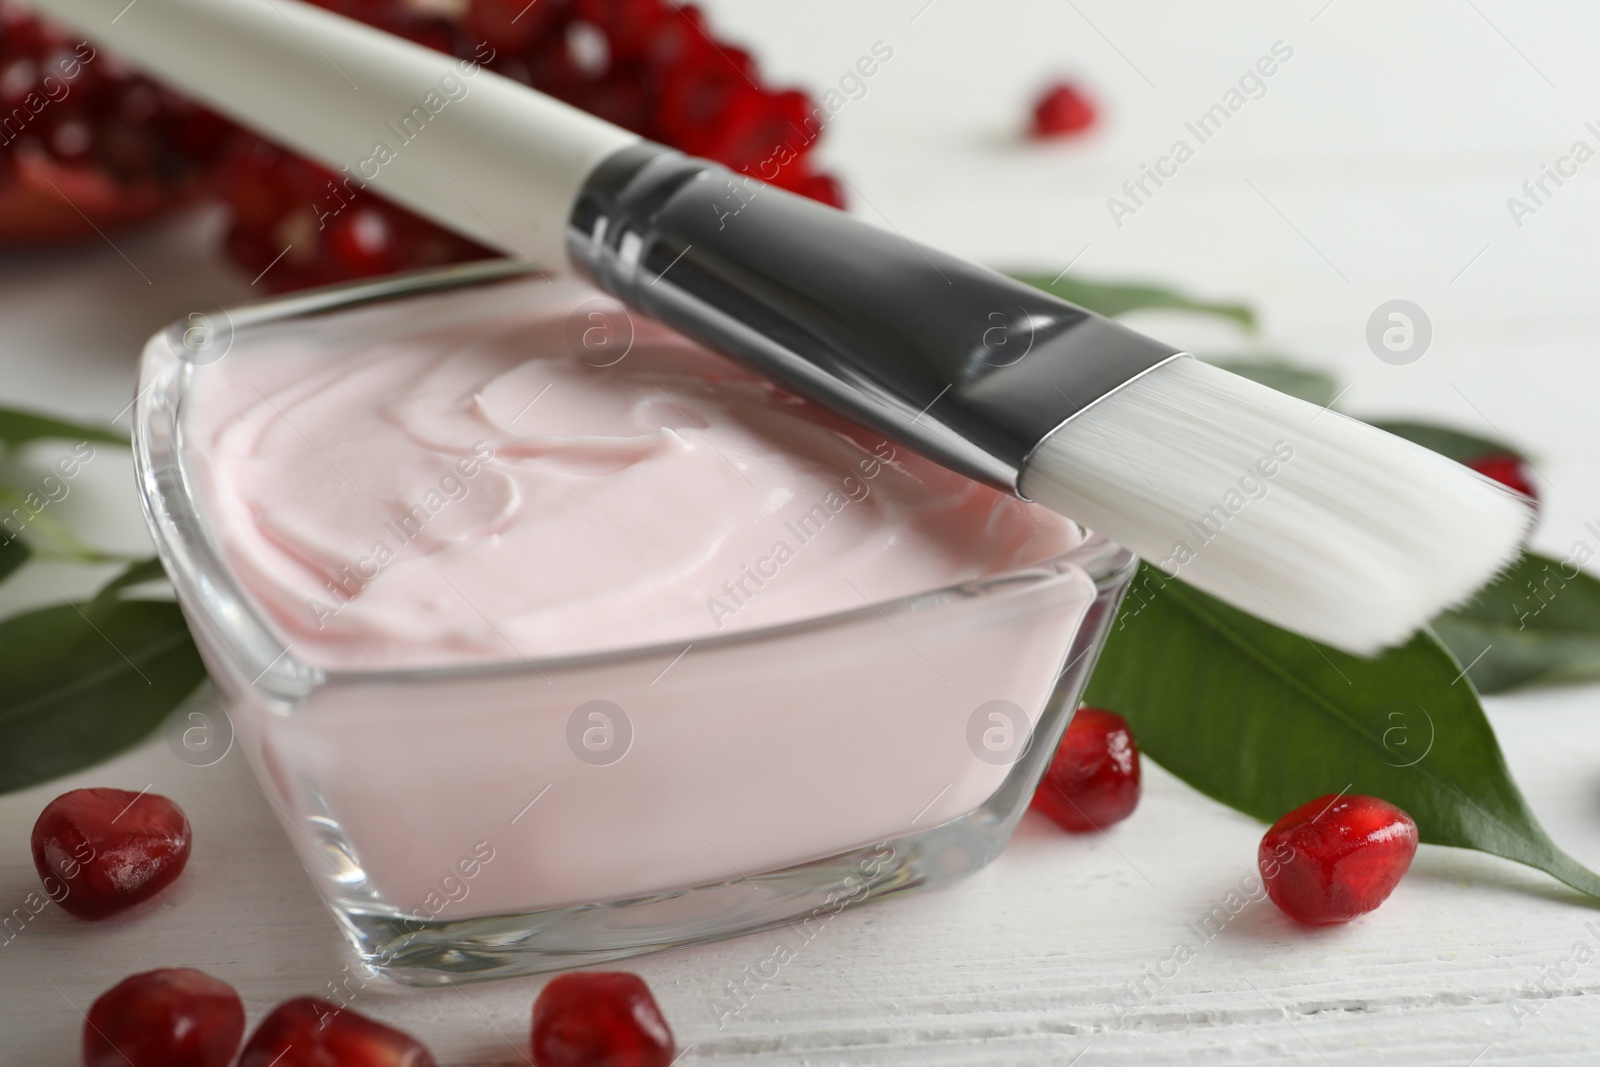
(589, 642)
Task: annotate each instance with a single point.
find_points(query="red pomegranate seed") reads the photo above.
(599, 1019)
(1336, 857)
(1093, 781)
(823, 188)
(762, 134)
(1062, 111)
(174, 1017)
(364, 242)
(682, 41)
(618, 98)
(308, 1032)
(1508, 470)
(698, 101)
(629, 25)
(100, 851)
(513, 25)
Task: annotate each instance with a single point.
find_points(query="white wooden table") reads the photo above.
(1377, 165)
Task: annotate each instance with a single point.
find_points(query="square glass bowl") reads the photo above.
(536, 814)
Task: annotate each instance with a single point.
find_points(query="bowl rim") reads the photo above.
(245, 632)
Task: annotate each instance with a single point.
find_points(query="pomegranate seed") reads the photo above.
(364, 242)
(823, 188)
(109, 848)
(513, 25)
(759, 131)
(682, 41)
(628, 25)
(1063, 111)
(599, 1019)
(553, 67)
(308, 1032)
(174, 1017)
(618, 98)
(699, 102)
(1508, 470)
(1336, 857)
(1093, 781)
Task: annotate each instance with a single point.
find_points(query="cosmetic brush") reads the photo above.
(1293, 513)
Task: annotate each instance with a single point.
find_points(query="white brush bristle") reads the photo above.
(1296, 514)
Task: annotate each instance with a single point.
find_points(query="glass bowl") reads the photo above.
(522, 816)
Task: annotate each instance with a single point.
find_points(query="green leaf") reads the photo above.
(18, 427)
(13, 554)
(1111, 300)
(136, 573)
(1459, 446)
(1311, 386)
(1537, 622)
(80, 683)
(1263, 720)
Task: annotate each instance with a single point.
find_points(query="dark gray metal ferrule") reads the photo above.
(957, 362)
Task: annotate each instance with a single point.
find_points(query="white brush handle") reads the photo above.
(486, 157)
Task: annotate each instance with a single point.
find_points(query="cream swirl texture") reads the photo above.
(474, 491)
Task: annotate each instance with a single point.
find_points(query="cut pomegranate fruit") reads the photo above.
(89, 146)
(647, 65)
(86, 145)
(1093, 781)
(308, 1032)
(1508, 470)
(599, 1019)
(101, 851)
(1062, 111)
(1336, 858)
(174, 1017)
